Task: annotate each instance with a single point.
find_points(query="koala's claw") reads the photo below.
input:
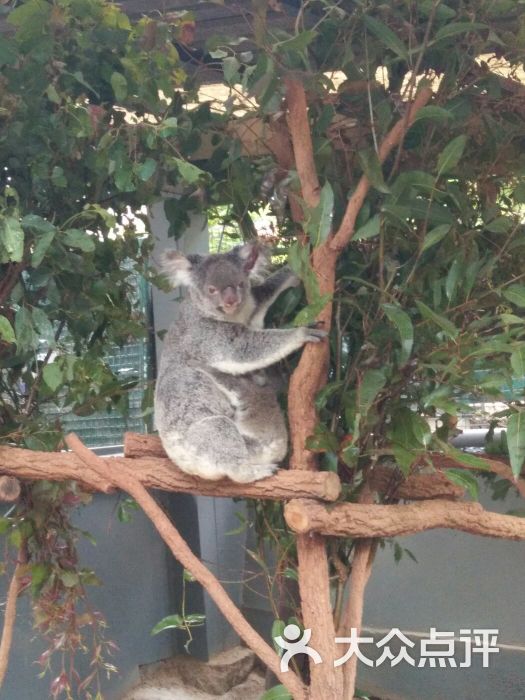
(314, 335)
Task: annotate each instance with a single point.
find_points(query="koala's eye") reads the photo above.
(241, 285)
(212, 290)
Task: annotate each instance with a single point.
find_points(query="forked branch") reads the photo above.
(127, 481)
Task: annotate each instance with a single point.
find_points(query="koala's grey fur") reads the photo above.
(216, 413)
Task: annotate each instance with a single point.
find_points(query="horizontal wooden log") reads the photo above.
(363, 520)
(496, 466)
(416, 487)
(142, 445)
(161, 473)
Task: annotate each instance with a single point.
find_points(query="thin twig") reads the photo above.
(9, 620)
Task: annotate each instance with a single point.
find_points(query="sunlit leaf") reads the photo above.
(368, 230)
(516, 441)
(7, 334)
(515, 293)
(76, 238)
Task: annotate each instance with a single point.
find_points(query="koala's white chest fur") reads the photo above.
(216, 414)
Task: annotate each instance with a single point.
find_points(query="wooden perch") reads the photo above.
(416, 487)
(493, 465)
(126, 479)
(363, 520)
(325, 486)
(160, 473)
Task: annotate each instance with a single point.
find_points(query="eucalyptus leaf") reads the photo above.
(53, 376)
(369, 387)
(515, 293)
(402, 321)
(119, 85)
(455, 28)
(433, 112)
(446, 326)
(312, 311)
(319, 223)
(278, 692)
(75, 238)
(372, 169)
(11, 240)
(190, 173)
(368, 230)
(451, 155)
(7, 334)
(464, 480)
(386, 36)
(435, 235)
(517, 362)
(170, 622)
(516, 441)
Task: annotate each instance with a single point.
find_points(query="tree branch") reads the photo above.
(161, 473)
(313, 568)
(363, 520)
(347, 227)
(9, 622)
(126, 480)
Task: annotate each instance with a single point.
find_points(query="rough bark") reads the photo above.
(125, 479)
(311, 374)
(9, 622)
(495, 466)
(416, 487)
(161, 473)
(313, 568)
(353, 617)
(362, 520)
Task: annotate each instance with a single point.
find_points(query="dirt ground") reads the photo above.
(232, 675)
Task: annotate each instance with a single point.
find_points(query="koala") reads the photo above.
(216, 413)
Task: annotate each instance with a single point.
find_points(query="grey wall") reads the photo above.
(460, 582)
(131, 561)
(215, 517)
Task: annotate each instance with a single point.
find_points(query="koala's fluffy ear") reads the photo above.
(177, 267)
(254, 259)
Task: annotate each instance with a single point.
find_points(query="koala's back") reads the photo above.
(184, 393)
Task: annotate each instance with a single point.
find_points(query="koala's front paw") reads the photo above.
(312, 334)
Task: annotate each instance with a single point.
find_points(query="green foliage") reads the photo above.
(430, 293)
(91, 130)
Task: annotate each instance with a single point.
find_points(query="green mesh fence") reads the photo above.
(130, 362)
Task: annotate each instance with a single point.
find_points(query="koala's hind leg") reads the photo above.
(219, 450)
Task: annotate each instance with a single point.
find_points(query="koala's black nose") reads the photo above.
(229, 297)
